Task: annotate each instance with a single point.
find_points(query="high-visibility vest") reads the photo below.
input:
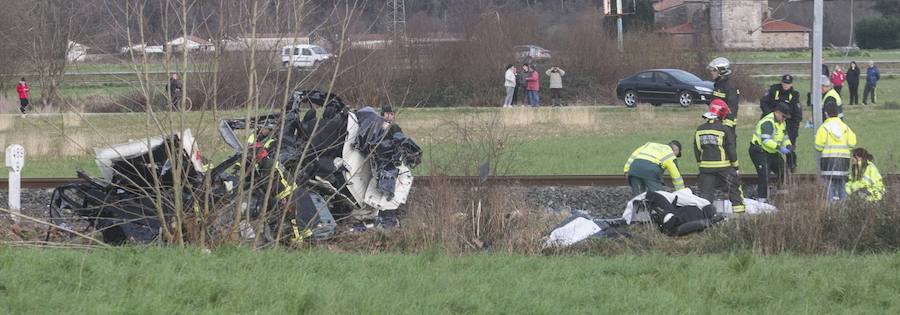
(830, 144)
(770, 142)
(778, 93)
(659, 154)
(870, 181)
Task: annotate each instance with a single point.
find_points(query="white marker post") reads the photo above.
(15, 160)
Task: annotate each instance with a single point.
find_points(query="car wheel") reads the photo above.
(285, 64)
(630, 98)
(685, 99)
(656, 104)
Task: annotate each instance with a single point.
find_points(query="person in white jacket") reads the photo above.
(556, 86)
(510, 84)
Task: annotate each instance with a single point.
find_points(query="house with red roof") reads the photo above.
(728, 24)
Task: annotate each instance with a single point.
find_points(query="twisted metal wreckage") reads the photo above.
(297, 172)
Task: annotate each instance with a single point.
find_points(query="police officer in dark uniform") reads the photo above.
(784, 93)
(720, 70)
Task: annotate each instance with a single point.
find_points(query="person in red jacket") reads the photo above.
(532, 85)
(22, 88)
(837, 78)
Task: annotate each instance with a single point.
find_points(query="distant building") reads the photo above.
(143, 49)
(728, 24)
(189, 43)
(76, 52)
(265, 41)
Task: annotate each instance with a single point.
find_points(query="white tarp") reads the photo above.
(573, 232)
(687, 198)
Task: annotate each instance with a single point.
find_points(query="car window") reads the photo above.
(685, 76)
(307, 52)
(319, 50)
(287, 51)
(663, 77)
(645, 76)
(296, 51)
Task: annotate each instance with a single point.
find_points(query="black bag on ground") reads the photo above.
(673, 220)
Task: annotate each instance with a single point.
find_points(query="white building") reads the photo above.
(76, 52)
(189, 43)
(265, 41)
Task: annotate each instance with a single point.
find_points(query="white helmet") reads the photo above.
(825, 81)
(720, 65)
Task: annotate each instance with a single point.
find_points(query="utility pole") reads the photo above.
(619, 24)
(816, 88)
(396, 19)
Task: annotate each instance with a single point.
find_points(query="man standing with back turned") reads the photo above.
(714, 148)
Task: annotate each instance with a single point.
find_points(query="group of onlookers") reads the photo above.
(527, 82)
(838, 77)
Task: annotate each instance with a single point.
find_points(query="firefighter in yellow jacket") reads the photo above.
(769, 143)
(865, 180)
(646, 165)
(834, 140)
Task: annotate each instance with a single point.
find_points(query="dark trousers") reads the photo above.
(854, 92)
(555, 97)
(23, 104)
(792, 128)
(765, 163)
(724, 179)
(515, 99)
(644, 176)
(869, 90)
(524, 99)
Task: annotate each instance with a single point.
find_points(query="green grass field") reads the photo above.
(236, 281)
(547, 141)
(806, 55)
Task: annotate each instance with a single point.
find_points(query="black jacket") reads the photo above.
(710, 141)
(853, 76)
(722, 89)
(776, 94)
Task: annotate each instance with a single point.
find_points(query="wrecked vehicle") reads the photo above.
(290, 177)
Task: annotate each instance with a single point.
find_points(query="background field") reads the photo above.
(545, 141)
(166, 281)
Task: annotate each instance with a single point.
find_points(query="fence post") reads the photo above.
(15, 160)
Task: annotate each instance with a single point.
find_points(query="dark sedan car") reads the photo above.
(658, 86)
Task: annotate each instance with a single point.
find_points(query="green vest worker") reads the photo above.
(714, 148)
(645, 167)
(834, 139)
(768, 144)
(865, 180)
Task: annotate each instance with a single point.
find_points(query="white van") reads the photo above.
(303, 55)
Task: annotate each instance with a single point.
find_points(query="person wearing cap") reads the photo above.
(720, 71)
(714, 149)
(779, 92)
(784, 93)
(829, 95)
(768, 144)
(646, 165)
(834, 140)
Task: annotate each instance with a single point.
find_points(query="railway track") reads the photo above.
(528, 181)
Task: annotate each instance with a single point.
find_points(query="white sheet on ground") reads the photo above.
(573, 232)
(687, 198)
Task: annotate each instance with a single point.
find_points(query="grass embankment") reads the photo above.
(154, 280)
(546, 141)
(806, 55)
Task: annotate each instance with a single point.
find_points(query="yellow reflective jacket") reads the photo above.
(659, 154)
(770, 134)
(835, 139)
(870, 182)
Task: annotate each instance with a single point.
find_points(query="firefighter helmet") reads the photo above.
(720, 65)
(718, 109)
